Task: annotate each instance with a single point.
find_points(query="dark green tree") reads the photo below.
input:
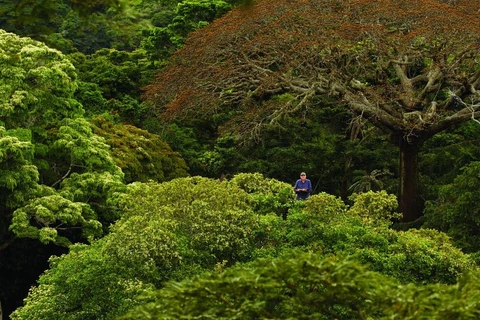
(456, 211)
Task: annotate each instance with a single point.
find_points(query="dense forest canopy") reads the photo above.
(181, 205)
(185, 227)
(410, 67)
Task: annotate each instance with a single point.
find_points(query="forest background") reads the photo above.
(95, 169)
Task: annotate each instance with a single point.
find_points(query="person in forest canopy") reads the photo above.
(303, 187)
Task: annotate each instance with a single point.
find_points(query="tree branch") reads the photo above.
(64, 176)
(399, 67)
(471, 112)
(378, 116)
(433, 76)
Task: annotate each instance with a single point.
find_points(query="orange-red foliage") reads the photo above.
(311, 47)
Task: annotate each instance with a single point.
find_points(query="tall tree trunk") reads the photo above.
(411, 204)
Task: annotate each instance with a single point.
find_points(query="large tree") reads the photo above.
(55, 174)
(412, 68)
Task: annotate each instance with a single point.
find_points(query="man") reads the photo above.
(303, 187)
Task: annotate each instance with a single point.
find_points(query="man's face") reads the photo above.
(303, 177)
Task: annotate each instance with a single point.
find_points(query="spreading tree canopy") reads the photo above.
(412, 68)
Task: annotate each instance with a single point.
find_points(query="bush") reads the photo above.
(294, 286)
(325, 225)
(267, 195)
(308, 286)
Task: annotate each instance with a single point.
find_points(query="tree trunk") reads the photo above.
(411, 204)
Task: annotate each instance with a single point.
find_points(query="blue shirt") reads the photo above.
(302, 195)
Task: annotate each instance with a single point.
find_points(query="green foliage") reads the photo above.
(213, 216)
(142, 156)
(294, 286)
(76, 287)
(117, 76)
(167, 231)
(192, 144)
(97, 190)
(324, 225)
(18, 177)
(37, 84)
(445, 155)
(51, 215)
(308, 286)
(268, 195)
(31, 17)
(375, 207)
(270, 237)
(194, 14)
(427, 256)
(225, 158)
(16, 171)
(81, 174)
(189, 15)
(459, 301)
(457, 212)
(47, 148)
(366, 182)
(181, 228)
(86, 25)
(324, 206)
(440, 155)
(76, 142)
(308, 219)
(90, 96)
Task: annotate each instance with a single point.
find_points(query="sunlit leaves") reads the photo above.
(82, 285)
(37, 83)
(46, 147)
(186, 226)
(268, 195)
(213, 218)
(168, 231)
(18, 176)
(76, 142)
(375, 207)
(51, 214)
(363, 230)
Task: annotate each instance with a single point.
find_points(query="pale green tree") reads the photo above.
(46, 146)
(168, 231)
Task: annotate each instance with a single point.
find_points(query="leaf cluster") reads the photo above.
(301, 285)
